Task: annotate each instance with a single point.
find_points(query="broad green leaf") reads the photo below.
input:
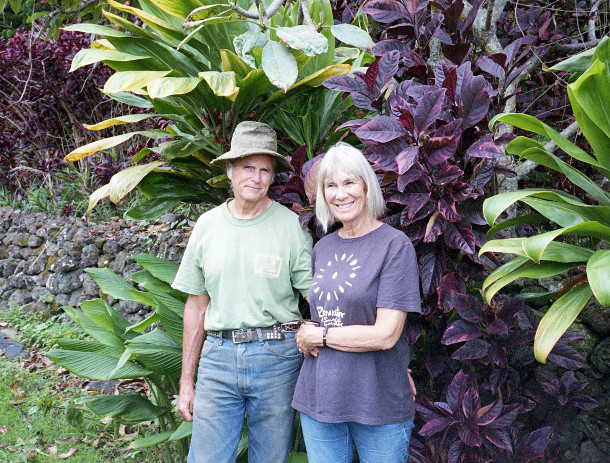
(150, 209)
(94, 55)
(96, 29)
(127, 407)
(575, 63)
(353, 35)
(528, 270)
(15, 5)
(101, 313)
(598, 275)
(97, 196)
(304, 38)
(494, 206)
(530, 123)
(221, 83)
(504, 270)
(113, 285)
(567, 215)
(89, 346)
(168, 86)
(590, 98)
(101, 330)
(178, 8)
(519, 220)
(127, 119)
(150, 441)
(555, 251)
(233, 63)
(150, 20)
(142, 325)
(95, 366)
(171, 321)
(279, 65)
(184, 430)
(558, 319)
(131, 100)
(162, 269)
(157, 351)
(535, 246)
(131, 80)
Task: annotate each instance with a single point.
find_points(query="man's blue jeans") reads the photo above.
(256, 379)
(334, 442)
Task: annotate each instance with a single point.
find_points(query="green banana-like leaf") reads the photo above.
(567, 215)
(150, 441)
(528, 270)
(494, 206)
(535, 246)
(233, 63)
(504, 270)
(171, 321)
(113, 285)
(175, 186)
(162, 269)
(558, 319)
(519, 220)
(100, 312)
(543, 157)
(598, 275)
(89, 346)
(178, 8)
(158, 352)
(95, 366)
(184, 430)
(555, 251)
(152, 21)
(530, 123)
(150, 209)
(590, 99)
(132, 408)
(94, 55)
(103, 330)
(142, 325)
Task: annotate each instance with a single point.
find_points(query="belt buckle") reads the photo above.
(240, 333)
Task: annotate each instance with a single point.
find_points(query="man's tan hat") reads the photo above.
(250, 138)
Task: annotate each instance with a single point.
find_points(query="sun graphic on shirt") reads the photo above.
(341, 265)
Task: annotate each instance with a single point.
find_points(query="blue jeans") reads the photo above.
(334, 442)
(254, 379)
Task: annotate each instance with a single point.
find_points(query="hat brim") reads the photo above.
(283, 165)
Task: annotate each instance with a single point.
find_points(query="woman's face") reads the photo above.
(346, 197)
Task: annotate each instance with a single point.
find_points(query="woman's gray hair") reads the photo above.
(345, 157)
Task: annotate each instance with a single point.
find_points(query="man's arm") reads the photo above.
(192, 341)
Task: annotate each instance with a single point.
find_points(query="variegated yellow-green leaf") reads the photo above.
(97, 196)
(128, 119)
(167, 86)
(232, 62)
(150, 20)
(598, 274)
(96, 29)
(178, 8)
(126, 180)
(95, 55)
(99, 145)
(131, 80)
(102, 44)
(221, 83)
(279, 65)
(558, 319)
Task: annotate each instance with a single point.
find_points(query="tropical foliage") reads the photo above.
(205, 67)
(578, 246)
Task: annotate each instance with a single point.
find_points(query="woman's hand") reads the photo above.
(308, 338)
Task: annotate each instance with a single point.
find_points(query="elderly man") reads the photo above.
(246, 262)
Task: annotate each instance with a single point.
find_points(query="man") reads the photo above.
(245, 264)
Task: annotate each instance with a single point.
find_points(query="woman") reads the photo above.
(353, 387)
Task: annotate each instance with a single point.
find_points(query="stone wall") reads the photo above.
(42, 257)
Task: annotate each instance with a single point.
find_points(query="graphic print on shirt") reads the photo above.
(267, 265)
(331, 281)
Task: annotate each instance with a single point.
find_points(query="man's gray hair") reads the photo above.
(350, 160)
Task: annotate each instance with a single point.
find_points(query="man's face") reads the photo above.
(251, 178)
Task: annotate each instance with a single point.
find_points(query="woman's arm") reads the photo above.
(383, 335)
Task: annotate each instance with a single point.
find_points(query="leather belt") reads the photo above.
(270, 333)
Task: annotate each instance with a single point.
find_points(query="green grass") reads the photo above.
(40, 418)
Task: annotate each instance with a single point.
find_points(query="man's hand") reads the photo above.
(185, 403)
(412, 383)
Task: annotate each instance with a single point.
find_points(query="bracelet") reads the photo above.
(324, 333)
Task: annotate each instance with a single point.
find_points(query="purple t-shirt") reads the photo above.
(352, 277)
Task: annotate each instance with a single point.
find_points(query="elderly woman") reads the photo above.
(354, 387)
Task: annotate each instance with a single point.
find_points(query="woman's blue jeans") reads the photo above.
(254, 379)
(334, 442)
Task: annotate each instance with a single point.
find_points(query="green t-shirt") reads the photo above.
(252, 269)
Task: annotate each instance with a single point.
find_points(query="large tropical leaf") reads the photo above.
(598, 275)
(162, 269)
(92, 365)
(113, 285)
(558, 319)
(130, 408)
